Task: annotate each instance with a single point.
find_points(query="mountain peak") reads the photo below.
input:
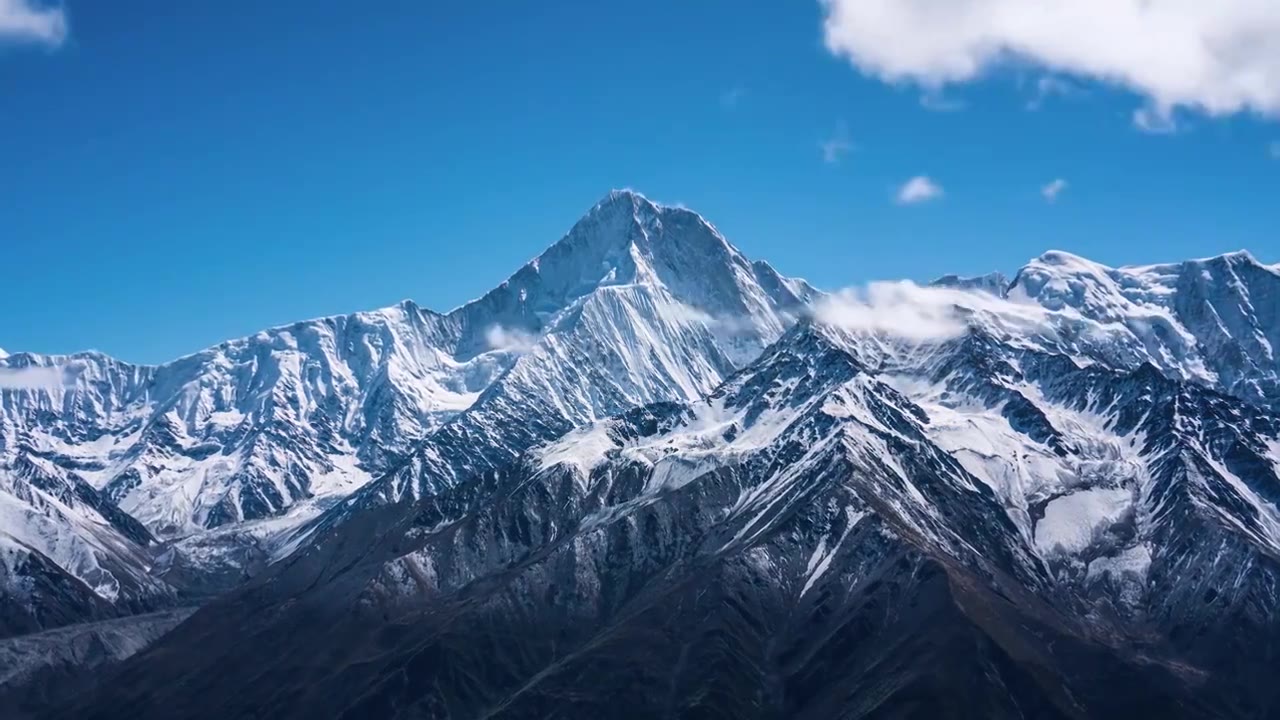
(626, 240)
(1239, 256)
(631, 205)
(1071, 262)
(1068, 261)
(994, 283)
(624, 196)
(1235, 256)
(1234, 259)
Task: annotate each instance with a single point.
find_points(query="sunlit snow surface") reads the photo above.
(252, 440)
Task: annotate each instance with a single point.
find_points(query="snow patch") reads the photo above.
(584, 448)
(1072, 521)
(822, 556)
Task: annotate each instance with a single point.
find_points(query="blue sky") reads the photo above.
(175, 174)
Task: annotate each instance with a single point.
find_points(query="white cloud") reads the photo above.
(907, 311)
(25, 21)
(1219, 57)
(1155, 121)
(1053, 189)
(898, 309)
(837, 146)
(693, 316)
(509, 339)
(36, 378)
(917, 190)
(899, 317)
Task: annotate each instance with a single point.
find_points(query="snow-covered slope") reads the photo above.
(1102, 468)
(249, 428)
(1111, 410)
(98, 457)
(797, 530)
(71, 555)
(36, 593)
(1216, 321)
(252, 427)
(221, 454)
(637, 479)
(660, 308)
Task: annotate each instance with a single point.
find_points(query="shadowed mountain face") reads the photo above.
(792, 546)
(672, 493)
(42, 669)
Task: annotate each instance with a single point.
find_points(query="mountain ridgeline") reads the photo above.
(649, 477)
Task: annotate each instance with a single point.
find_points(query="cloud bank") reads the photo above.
(897, 309)
(28, 22)
(924, 314)
(1219, 57)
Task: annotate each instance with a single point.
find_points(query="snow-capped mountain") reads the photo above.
(247, 429)
(67, 554)
(793, 545)
(673, 310)
(189, 451)
(1215, 321)
(637, 303)
(648, 477)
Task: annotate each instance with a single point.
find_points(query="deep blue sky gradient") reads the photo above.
(181, 173)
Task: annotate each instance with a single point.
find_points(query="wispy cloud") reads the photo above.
(509, 339)
(918, 190)
(1155, 121)
(1049, 86)
(1218, 57)
(935, 100)
(916, 313)
(27, 22)
(837, 146)
(730, 99)
(906, 312)
(899, 309)
(1053, 189)
(36, 378)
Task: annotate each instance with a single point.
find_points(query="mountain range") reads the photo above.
(649, 477)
